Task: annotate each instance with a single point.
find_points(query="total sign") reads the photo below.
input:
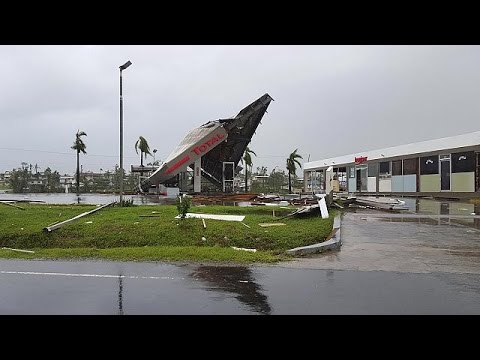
(199, 149)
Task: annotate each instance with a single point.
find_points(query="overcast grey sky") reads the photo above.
(329, 100)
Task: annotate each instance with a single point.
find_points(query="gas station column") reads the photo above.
(197, 175)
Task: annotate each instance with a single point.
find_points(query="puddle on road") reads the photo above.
(474, 223)
(441, 207)
(433, 208)
(238, 280)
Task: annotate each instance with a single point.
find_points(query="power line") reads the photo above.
(59, 153)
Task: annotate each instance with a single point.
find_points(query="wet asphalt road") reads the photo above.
(388, 264)
(58, 287)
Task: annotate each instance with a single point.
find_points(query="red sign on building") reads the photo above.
(360, 159)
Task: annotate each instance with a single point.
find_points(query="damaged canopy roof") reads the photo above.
(240, 130)
(223, 140)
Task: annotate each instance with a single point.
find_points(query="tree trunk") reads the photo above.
(78, 172)
(289, 183)
(141, 164)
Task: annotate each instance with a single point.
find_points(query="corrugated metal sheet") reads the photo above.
(451, 142)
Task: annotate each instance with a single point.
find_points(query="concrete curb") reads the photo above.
(333, 243)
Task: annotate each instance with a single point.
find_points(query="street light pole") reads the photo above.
(122, 67)
(274, 181)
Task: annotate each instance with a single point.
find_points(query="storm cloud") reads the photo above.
(329, 100)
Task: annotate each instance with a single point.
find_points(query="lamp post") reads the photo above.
(273, 176)
(122, 67)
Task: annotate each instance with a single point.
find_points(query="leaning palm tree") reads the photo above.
(247, 158)
(79, 146)
(292, 168)
(144, 148)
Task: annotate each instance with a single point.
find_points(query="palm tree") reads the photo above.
(79, 146)
(247, 158)
(142, 145)
(292, 168)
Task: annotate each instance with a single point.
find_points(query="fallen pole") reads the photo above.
(15, 206)
(26, 251)
(60, 224)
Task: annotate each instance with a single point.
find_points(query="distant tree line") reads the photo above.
(277, 180)
(23, 180)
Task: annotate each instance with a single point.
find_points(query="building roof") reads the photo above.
(450, 142)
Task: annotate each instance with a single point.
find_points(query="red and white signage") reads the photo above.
(201, 143)
(360, 159)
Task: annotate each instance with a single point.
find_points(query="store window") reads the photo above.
(463, 162)
(410, 166)
(429, 165)
(351, 173)
(397, 167)
(385, 167)
(373, 169)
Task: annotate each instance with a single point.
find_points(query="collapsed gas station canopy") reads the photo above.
(215, 142)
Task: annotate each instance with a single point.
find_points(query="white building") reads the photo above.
(449, 165)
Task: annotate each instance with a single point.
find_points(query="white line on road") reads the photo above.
(90, 275)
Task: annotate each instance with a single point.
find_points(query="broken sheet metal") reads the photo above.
(213, 217)
(244, 249)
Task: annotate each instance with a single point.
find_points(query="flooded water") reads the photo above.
(441, 207)
(445, 211)
(433, 211)
(93, 199)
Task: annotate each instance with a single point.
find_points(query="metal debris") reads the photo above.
(56, 226)
(243, 249)
(271, 224)
(20, 250)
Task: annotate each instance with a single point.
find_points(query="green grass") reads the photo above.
(123, 234)
(170, 253)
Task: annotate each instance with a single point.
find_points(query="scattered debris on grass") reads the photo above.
(13, 205)
(271, 224)
(20, 250)
(213, 217)
(56, 226)
(243, 249)
(323, 208)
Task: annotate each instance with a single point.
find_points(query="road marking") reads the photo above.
(90, 275)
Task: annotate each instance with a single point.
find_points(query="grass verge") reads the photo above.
(152, 233)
